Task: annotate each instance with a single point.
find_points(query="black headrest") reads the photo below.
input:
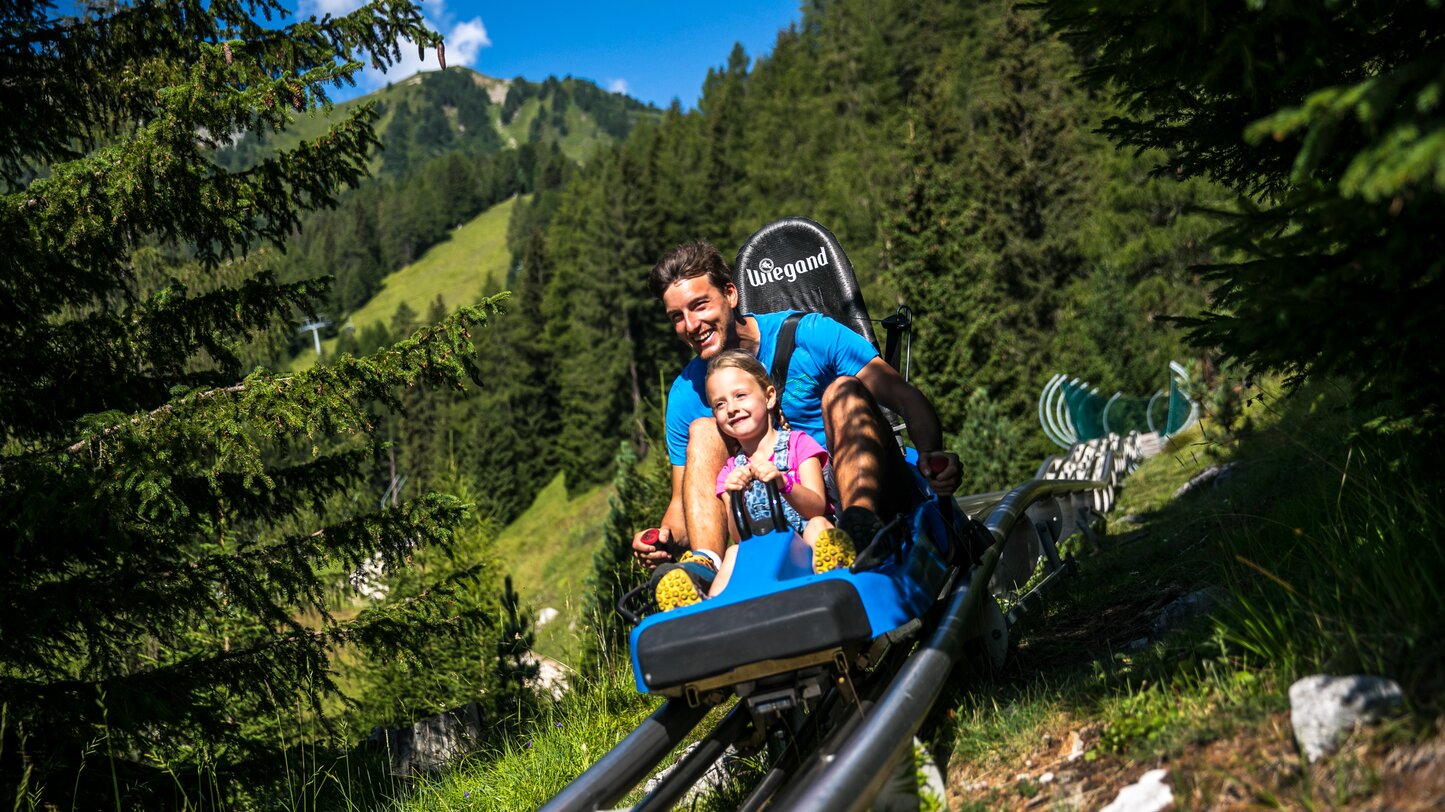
(796, 264)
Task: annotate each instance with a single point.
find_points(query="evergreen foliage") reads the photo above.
(514, 668)
(177, 527)
(989, 225)
(643, 491)
(946, 147)
(1325, 119)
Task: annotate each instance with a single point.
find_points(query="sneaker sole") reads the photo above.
(833, 551)
(675, 589)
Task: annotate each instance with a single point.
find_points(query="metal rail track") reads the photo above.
(846, 766)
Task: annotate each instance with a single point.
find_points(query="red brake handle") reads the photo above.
(937, 464)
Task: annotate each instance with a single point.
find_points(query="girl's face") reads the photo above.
(739, 403)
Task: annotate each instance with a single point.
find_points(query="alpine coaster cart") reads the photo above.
(835, 672)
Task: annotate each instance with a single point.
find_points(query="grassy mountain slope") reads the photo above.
(548, 551)
(471, 264)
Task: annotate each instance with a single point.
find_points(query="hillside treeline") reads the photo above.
(947, 147)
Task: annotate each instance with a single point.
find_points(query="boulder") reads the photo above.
(432, 742)
(1186, 608)
(1323, 708)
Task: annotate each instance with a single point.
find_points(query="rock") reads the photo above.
(431, 742)
(1323, 708)
(717, 776)
(547, 615)
(551, 676)
(1191, 605)
(1214, 475)
(1074, 747)
(1046, 778)
(1150, 794)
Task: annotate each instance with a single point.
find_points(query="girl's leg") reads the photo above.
(720, 581)
(832, 548)
(815, 525)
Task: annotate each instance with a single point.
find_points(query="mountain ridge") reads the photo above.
(431, 113)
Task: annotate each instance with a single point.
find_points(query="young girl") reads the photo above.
(763, 449)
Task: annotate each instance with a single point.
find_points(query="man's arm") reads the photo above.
(670, 528)
(891, 390)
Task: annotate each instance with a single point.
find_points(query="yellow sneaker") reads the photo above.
(833, 550)
(675, 588)
(683, 583)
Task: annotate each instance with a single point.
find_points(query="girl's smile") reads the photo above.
(739, 404)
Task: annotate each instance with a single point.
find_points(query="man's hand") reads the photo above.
(941, 469)
(649, 547)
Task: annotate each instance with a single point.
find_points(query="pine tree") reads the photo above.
(174, 525)
(643, 491)
(514, 667)
(1326, 119)
(989, 229)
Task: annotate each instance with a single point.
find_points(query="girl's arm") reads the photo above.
(807, 496)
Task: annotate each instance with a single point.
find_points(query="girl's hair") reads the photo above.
(747, 362)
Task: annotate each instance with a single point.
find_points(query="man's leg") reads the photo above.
(702, 510)
(867, 464)
(692, 578)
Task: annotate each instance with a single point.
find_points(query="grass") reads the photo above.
(524, 770)
(548, 551)
(471, 264)
(1323, 546)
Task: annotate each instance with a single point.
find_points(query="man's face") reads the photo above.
(702, 315)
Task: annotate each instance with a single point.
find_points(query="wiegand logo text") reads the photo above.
(769, 271)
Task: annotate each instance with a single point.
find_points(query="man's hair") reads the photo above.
(691, 259)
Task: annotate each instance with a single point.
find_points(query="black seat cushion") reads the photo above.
(796, 264)
(814, 617)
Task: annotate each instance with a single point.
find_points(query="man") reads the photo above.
(836, 382)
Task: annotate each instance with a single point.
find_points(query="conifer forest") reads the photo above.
(232, 562)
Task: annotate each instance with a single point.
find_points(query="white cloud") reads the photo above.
(618, 86)
(335, 8)
(464, 43)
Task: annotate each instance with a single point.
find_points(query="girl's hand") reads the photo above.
(739, 479)
(767, 471)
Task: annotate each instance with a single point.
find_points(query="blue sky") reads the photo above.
(650, 49)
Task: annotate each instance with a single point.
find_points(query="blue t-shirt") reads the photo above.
(824, 350)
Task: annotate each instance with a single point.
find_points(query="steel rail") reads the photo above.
(616, 773)
(696, 763)
(857, 773)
